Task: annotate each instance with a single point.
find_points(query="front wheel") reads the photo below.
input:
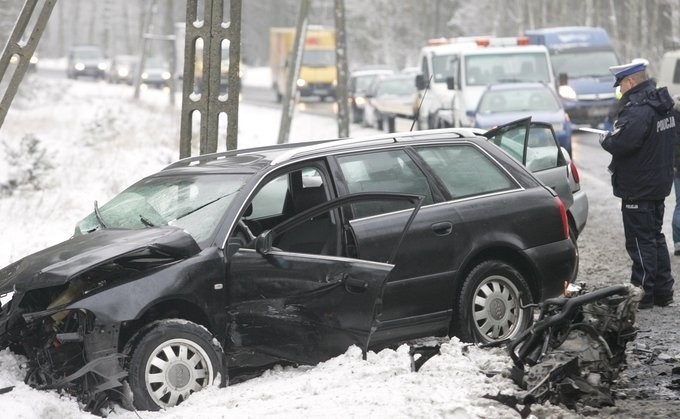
(490, 304)
(169, 360)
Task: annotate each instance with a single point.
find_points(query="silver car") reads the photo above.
(535, 145)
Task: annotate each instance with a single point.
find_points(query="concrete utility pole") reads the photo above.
(341, 66)
(208, 104)
(294, 63)
(21, 44)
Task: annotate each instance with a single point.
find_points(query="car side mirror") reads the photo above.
(563, 79)
(450, 83)
(264, 242)
(420, 82)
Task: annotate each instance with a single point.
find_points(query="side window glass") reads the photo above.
(269, 200)
(512, 142)
(387, 171)
(285, 196)
(425, 71)
(465, 171)
(542, 150)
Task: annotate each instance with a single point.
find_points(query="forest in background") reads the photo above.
(378, 31)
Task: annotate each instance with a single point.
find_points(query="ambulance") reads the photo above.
(455, 72)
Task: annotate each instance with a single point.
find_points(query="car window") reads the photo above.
(385, 171)
(542, 150)
(516, 100)
(270, 200)
(465, 170)
(445, 66)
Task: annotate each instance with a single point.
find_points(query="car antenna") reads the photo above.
(427, 87)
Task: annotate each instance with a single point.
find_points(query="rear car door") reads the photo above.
(535, 146)
(301, 307)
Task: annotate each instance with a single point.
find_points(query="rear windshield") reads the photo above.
(484, 69)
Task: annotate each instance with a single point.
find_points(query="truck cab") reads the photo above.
(455, 73)
(581, 57)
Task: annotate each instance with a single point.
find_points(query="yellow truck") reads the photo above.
(318, 76)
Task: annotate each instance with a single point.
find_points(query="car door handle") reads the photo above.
(442, 229)
(355, 285)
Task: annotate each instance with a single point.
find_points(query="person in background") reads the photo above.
(676, 182)
(641, 168)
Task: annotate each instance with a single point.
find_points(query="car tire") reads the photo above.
(489, 307)
(194, 360)
(379, 122)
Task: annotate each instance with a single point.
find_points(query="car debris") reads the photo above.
(573, 352)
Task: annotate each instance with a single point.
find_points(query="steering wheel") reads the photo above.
(242, 229)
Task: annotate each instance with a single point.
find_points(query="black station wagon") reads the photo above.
(221, 265)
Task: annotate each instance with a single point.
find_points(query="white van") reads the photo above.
(669, 74)
(458, 71)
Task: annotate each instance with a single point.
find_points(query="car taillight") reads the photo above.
(574, 172)
(563, 216)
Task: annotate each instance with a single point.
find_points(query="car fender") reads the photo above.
(197, 280)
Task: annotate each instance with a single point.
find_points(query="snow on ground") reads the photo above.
(98, 141)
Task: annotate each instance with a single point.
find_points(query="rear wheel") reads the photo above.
(169, 360)
(489, 308)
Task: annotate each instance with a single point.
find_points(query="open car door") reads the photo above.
(304, 308)
(535, 146)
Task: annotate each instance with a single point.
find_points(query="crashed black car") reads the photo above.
(224, 264)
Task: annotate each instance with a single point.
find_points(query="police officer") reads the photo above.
(641, 146)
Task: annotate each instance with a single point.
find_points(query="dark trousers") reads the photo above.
(646, 246)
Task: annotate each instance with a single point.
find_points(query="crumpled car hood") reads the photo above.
(60, 263)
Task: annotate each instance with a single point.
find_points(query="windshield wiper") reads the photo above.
(98, 215)
(145, 221)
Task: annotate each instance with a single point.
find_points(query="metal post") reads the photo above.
(341, 67)
(234, 78)
(148, 28)
(22, 49)
(294, 72)
(208, 104)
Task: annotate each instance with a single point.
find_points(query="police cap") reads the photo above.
(624, 70)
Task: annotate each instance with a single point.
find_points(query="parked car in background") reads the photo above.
(359, 82)
(503, 103)
(123, 69)
(535, 146)
(390, 97)
(86, 60)
(286, 254)
(156, 72)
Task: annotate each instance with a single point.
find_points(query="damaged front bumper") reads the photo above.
(65, 349)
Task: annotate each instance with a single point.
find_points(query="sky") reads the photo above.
(99, 140)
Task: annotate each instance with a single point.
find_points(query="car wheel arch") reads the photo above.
(513, 257)
(175, 308)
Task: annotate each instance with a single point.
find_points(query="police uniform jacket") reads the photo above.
(642, 143)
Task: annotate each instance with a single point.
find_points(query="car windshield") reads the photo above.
(194, 203)
(584, 63)
(484, 69)
(318, 58)
(518, 100)
(396, 87)
(363, 82)
(88, 53)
